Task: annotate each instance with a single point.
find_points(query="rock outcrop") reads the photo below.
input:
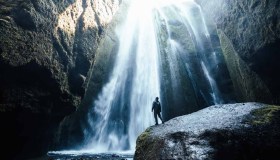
(232, 131)
(249, 33)
(46, 51)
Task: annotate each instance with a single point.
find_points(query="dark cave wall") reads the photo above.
(249, 32)
(46, 51)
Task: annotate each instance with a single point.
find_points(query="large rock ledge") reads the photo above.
(231, 131)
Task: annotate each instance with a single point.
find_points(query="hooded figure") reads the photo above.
(157, 109)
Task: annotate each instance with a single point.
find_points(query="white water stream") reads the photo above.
(123, 107)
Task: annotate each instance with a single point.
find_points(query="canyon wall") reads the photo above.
(46, 51)
(249, 33)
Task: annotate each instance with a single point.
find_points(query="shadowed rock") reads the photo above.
(46, 50)
(249, 33)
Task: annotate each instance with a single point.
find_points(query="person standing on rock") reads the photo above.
(157, 109)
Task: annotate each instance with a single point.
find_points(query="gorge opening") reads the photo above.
(165, 50)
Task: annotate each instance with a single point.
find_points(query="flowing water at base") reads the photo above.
(88, 155)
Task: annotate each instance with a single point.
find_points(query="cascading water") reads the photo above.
(122, 109)
(187, 15)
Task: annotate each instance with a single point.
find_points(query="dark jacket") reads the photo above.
(156, 107)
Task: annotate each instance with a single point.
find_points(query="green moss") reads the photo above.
(143, 137)
(265, 115)
(148, 144)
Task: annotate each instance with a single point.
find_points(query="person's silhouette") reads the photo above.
(157, 109)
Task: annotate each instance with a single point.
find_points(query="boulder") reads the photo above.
(229, 131)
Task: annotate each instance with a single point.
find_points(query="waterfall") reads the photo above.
(122, 109)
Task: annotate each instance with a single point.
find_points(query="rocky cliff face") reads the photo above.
(76, 126)
(233, 131)
(46, 51)
(249, 32)
(195, 55)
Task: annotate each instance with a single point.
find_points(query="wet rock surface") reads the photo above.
(230, 131)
